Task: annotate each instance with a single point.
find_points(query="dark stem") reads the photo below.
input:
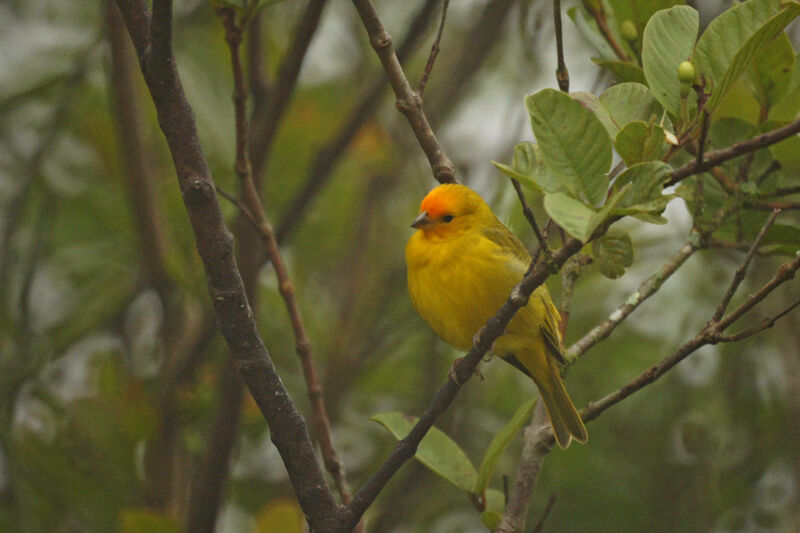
(434, 51)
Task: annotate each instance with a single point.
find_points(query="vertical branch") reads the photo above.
(562, 75)
(233, 32)
(538, 442)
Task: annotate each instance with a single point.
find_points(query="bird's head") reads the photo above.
(450, 210)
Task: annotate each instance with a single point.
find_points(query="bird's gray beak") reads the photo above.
(422, 220)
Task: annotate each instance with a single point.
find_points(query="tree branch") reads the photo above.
(406, 447)
(234, 32)
(720, 156)
(738, 277)
(409, 102)
(326, 158)
(562, 74)
(267, 118)
(434, 51)
(215, 246)
(646, 289)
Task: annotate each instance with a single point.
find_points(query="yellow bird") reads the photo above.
(462, 265)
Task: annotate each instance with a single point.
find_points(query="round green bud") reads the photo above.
(686, 73)
(628, 30)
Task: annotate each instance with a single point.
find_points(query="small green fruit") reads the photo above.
(686, 73)
(628, 30)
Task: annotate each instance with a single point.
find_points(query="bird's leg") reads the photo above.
(453, 371)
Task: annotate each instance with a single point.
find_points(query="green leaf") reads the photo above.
(640, 11)
(499, 444)
(627, 102)
(574, 144)
(624, 71)
(771, 72)
(788, 106)
(668, 41)
(734, 38)
(437, 451)
(571, 214)
(527, 168)
(613, 252)
(640, 189)
(639, 142)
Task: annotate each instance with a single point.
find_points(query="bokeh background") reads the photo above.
(85, 330)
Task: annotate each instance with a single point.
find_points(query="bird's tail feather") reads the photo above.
(564, 417)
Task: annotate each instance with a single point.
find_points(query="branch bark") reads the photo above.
(152, 40)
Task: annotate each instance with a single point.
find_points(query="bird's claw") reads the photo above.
(453, 373)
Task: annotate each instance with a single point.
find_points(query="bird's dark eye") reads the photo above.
(447, 218)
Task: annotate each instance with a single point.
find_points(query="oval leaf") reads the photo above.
(622, 70)
(668, 40)
(639, 142)
(626, 102)
(571, 214)
(573, 143)
(734, 38)
(613, 252)
(437, 451)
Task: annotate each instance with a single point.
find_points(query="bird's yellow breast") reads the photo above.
(458, 284)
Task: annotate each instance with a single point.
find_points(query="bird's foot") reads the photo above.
(477, 337)
(453, 373)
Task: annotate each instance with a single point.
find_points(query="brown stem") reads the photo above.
(434, 51)
(152, 40)
(409, 102)
(741, 148)
(285, 286)
(562, 74)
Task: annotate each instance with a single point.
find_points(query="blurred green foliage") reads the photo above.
(83, 335)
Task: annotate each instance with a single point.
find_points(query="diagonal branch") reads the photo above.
(409, 101)
(406, 447)
(720, 156)
(646, 289)
(738, 277)
(215, 246)
(326, 158)
(255, 211)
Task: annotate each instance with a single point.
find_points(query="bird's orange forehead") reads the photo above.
(438, 202)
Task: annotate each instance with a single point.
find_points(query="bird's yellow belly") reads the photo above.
(457, 295)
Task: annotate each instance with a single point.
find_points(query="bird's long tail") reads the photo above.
(564, 417)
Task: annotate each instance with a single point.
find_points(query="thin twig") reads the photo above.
(701, 142)
(569, 275)
(711, 333)
(765, 324)
(720, 156)
(409, 101)
(562, 74)
(646, 289)
(528, 212)
(407, 446)
(434, 52)
(599, 14)
(324, 161)
(550, 503)
(266, 123)
(234, 32)
(738, 277)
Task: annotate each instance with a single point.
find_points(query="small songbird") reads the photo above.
(462, 265)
